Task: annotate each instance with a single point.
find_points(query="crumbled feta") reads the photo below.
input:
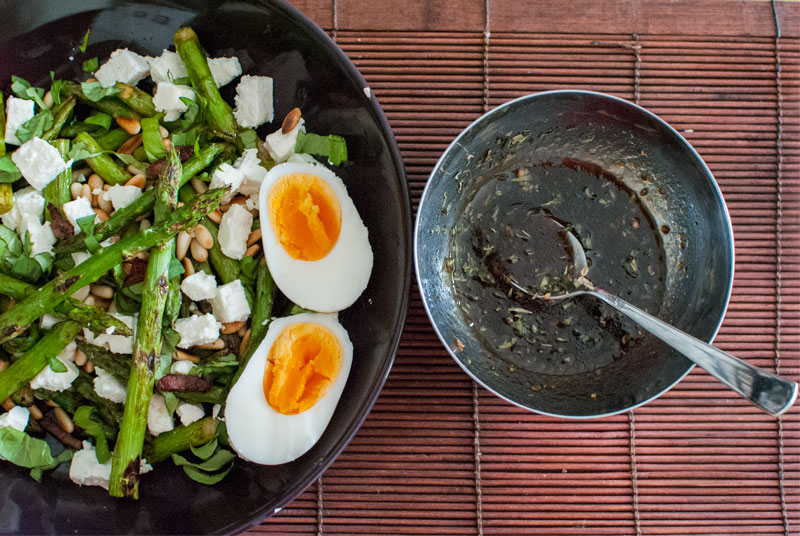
(48, 321)
(197, 329)
(122, 196)
(39, 162)
(27, 201)
(250, 166)
(109, 387)
(85, 470)
(215, 410)
(230, 303)
(119, 344)
(79, 256)
(190, 413)
(253, 101)
(233, 231)
(226, 176)
(303, 158)
(168, 99)
(281, 146)
(16, 418)
(181, 367)
(58, 381)
(18, 111)
(224, 70)
(40, 234)
(77, 209)
(123, 66)
(199, 286)
(167, 67)
(158, 418)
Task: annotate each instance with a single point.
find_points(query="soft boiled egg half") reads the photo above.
(315, 243)
(286, 395)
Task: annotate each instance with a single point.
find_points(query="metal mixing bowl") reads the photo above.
(646, 162)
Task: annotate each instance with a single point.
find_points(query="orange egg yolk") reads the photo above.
(302, 364)
(305, 215)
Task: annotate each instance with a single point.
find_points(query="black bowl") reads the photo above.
(309, 71)
(575, 359)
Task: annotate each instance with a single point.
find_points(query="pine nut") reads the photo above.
(215, 216)
(182, 245)
(232, 327)
(51, 403)
(252, 251)
(80, 358)
(145, 224)
(244, 343)
(81, 293)
(103, 291)
(86, 191)
(104, 204)
(89, 367)
(95, 182)
(203, 236)
(254, 237)
(241, 331)
(199, 186)
(89, 300)
(135, 170)
(188, 266)
(138, 180)
(48, 99)
(180, 355)
(219, 344)
(291, 120)
(131, 126)
(102, 215)
(199, 253)
(75, 189)
(163, 131)
(167, 143)
(64, 420)
(127, 268)
(131, 145)
(8, 404)
(36, 413)
(3, 365)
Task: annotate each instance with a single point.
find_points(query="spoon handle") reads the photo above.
(769, 392)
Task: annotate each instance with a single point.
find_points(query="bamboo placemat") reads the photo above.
(439, 455)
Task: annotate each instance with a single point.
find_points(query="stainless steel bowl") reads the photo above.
(536, 357)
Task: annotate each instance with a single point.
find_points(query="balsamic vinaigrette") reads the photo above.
(514, 227)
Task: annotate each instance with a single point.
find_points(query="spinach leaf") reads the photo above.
(9, 172)
(94, 91)
(56, 365)
(151, 138)
(35, 126)
(36, 472)
(83, 418)
(333, 147)
(21, 449)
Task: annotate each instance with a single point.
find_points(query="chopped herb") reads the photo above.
(90, 65)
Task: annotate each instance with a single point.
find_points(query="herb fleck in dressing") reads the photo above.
(514, 226)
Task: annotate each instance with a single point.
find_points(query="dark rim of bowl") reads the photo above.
(456, 143)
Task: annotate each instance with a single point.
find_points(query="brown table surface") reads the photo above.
(439, 455)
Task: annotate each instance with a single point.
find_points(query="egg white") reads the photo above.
(260, 434)
(335, 281)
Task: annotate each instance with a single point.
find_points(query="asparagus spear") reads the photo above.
(125, 215)
(110, 105)
(181, 438)
(125, 462)
(137, 100)
(103, 164)
(111, 140)
(194, 58)
(14, 321)
(262, 312)
(60, 116)
(6, 193)
(116, 364)
(57, 192)
(34, 360)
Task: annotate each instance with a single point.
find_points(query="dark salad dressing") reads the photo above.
(514, 227)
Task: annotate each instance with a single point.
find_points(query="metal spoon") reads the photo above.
(769, 392)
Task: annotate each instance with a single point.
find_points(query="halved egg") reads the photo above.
(286, 395)
(315, 243)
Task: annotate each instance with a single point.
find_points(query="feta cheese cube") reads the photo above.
(250, 166)
(226, 176)
(190, 413)
(253, 101)
(18, 111)
(58, 381)
(181, 367)
(123, 66)
(199, 286)
(107, 386)
(85, 470)
(197, 329)
(16, 418)
(40, 234)
(158, 418)
(167, 67)
(39, 162)
(122, 196)
(79, 256)
(234, 230)
(281, 146)
(230, 303)
(224, 70)
(119, 344)
(77, 209)
(27, 201)
(168, 99)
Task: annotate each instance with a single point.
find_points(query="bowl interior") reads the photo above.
(649, 163)
(309, 71)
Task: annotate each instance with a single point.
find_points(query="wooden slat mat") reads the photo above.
(439, 455)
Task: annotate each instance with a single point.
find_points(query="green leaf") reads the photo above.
(219, 364)
(36, 472)
(90, 65)
(55, 88)
(100, 119)
(183, 81)
(83, 418)
(82, 46)
(205, 478)
(21, 449)
(35, 126)
(128, 160)
(94, 91)
(151, 138)
(86, 224)
(171, 401)
(214, 463)
(332, 147)
(184, 138)
(8, 170)
(204, 452)
(56, 365)
(249, 138)
(80, 151)
(175, 268)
